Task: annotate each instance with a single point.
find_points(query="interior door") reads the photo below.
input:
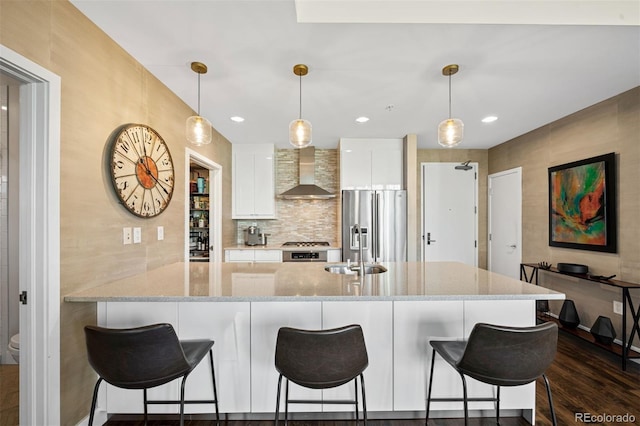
(449, 212)
(505, 222)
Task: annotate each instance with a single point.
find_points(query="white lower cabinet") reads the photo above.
(334, 255)
(228, 325)
(125, 315)
(225, 323)
(376, 321)
(266, 320)
(414, 325)
(251, 255)
(518, 313)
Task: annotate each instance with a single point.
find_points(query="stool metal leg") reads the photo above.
(364, 399)
(433, 358)
(144, 397)
(498, 406)
(355, 381)
(215, 391)
(466, 403)
(184, 379)
(94, 400)
(553, 411)
(278, 400)
(286, 402)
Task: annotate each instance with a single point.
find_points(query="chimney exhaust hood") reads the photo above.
(307, 189)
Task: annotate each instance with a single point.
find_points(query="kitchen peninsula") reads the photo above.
(242, 305)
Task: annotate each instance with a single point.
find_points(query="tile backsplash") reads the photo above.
(302, 220)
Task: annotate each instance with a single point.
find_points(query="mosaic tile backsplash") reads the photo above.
(302, 220)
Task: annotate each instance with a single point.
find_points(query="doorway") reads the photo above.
(505, 222)
(203, 209)
(449, 212)
(39, 250)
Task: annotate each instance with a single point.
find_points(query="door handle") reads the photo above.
(513, 246)
(429, 240)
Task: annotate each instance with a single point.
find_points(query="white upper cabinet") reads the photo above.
(253, 182)
(371, 163)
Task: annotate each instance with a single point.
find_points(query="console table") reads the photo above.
(531, 276)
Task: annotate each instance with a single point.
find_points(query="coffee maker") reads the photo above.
(252, 236)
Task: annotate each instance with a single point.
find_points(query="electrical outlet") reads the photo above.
(160, 233)
(617, 307)
(126, 236)
(137, 235)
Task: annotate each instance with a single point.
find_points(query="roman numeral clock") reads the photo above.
(141, 170)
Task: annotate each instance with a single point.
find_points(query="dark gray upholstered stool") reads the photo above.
(321, 359)
(500, 356)
(146, 357)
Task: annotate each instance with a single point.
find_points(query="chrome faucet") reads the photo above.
(359, 269)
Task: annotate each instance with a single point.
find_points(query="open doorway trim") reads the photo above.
(39, 234)
(215, 202)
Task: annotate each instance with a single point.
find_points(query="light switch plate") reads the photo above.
(126, 236)
(160, 233)
(137, 235)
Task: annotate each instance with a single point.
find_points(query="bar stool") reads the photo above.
(146, 357)
(321, 359)
(500, 356)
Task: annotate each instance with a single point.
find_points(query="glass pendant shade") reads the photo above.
(300, 133)
(199, 130)
(450, 132)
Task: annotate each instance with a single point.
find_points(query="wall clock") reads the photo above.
(141, 170)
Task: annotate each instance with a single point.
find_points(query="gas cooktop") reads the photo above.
(306, 244)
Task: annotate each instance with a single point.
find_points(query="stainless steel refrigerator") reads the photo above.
(382, 217)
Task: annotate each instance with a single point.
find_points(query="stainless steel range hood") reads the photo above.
(307, 188)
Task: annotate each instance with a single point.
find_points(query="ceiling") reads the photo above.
(381, 59)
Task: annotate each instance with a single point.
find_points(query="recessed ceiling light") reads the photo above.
(489, 119)
(237, 119)
(362, 119)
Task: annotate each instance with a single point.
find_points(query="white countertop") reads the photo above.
(231, 282)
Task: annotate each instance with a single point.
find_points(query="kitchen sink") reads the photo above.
(343, 268)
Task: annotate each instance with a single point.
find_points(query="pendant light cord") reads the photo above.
(300, 103)
(199, 96)
(449, 95)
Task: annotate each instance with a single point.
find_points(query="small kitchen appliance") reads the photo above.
(252, 236)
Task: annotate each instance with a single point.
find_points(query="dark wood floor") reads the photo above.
(584, 379)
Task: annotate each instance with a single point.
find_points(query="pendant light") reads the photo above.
(450, 131)
(300, 130)
(199, 128)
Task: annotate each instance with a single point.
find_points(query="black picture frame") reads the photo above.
(582, 204)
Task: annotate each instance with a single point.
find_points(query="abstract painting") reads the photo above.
(582, 204)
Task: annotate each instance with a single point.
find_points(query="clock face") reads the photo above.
(141, 170)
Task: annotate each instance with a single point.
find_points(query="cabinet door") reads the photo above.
(333, 255)
(386, 169)
(355, 169)
(518, 313)
(239, 255)
(376, 320)
(243, 184)
(264, 203)
(415, 323)
(266, 320)
(268, 255)
(128, 314)
(228, 325)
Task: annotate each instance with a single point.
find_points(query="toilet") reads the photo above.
(14, 347)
